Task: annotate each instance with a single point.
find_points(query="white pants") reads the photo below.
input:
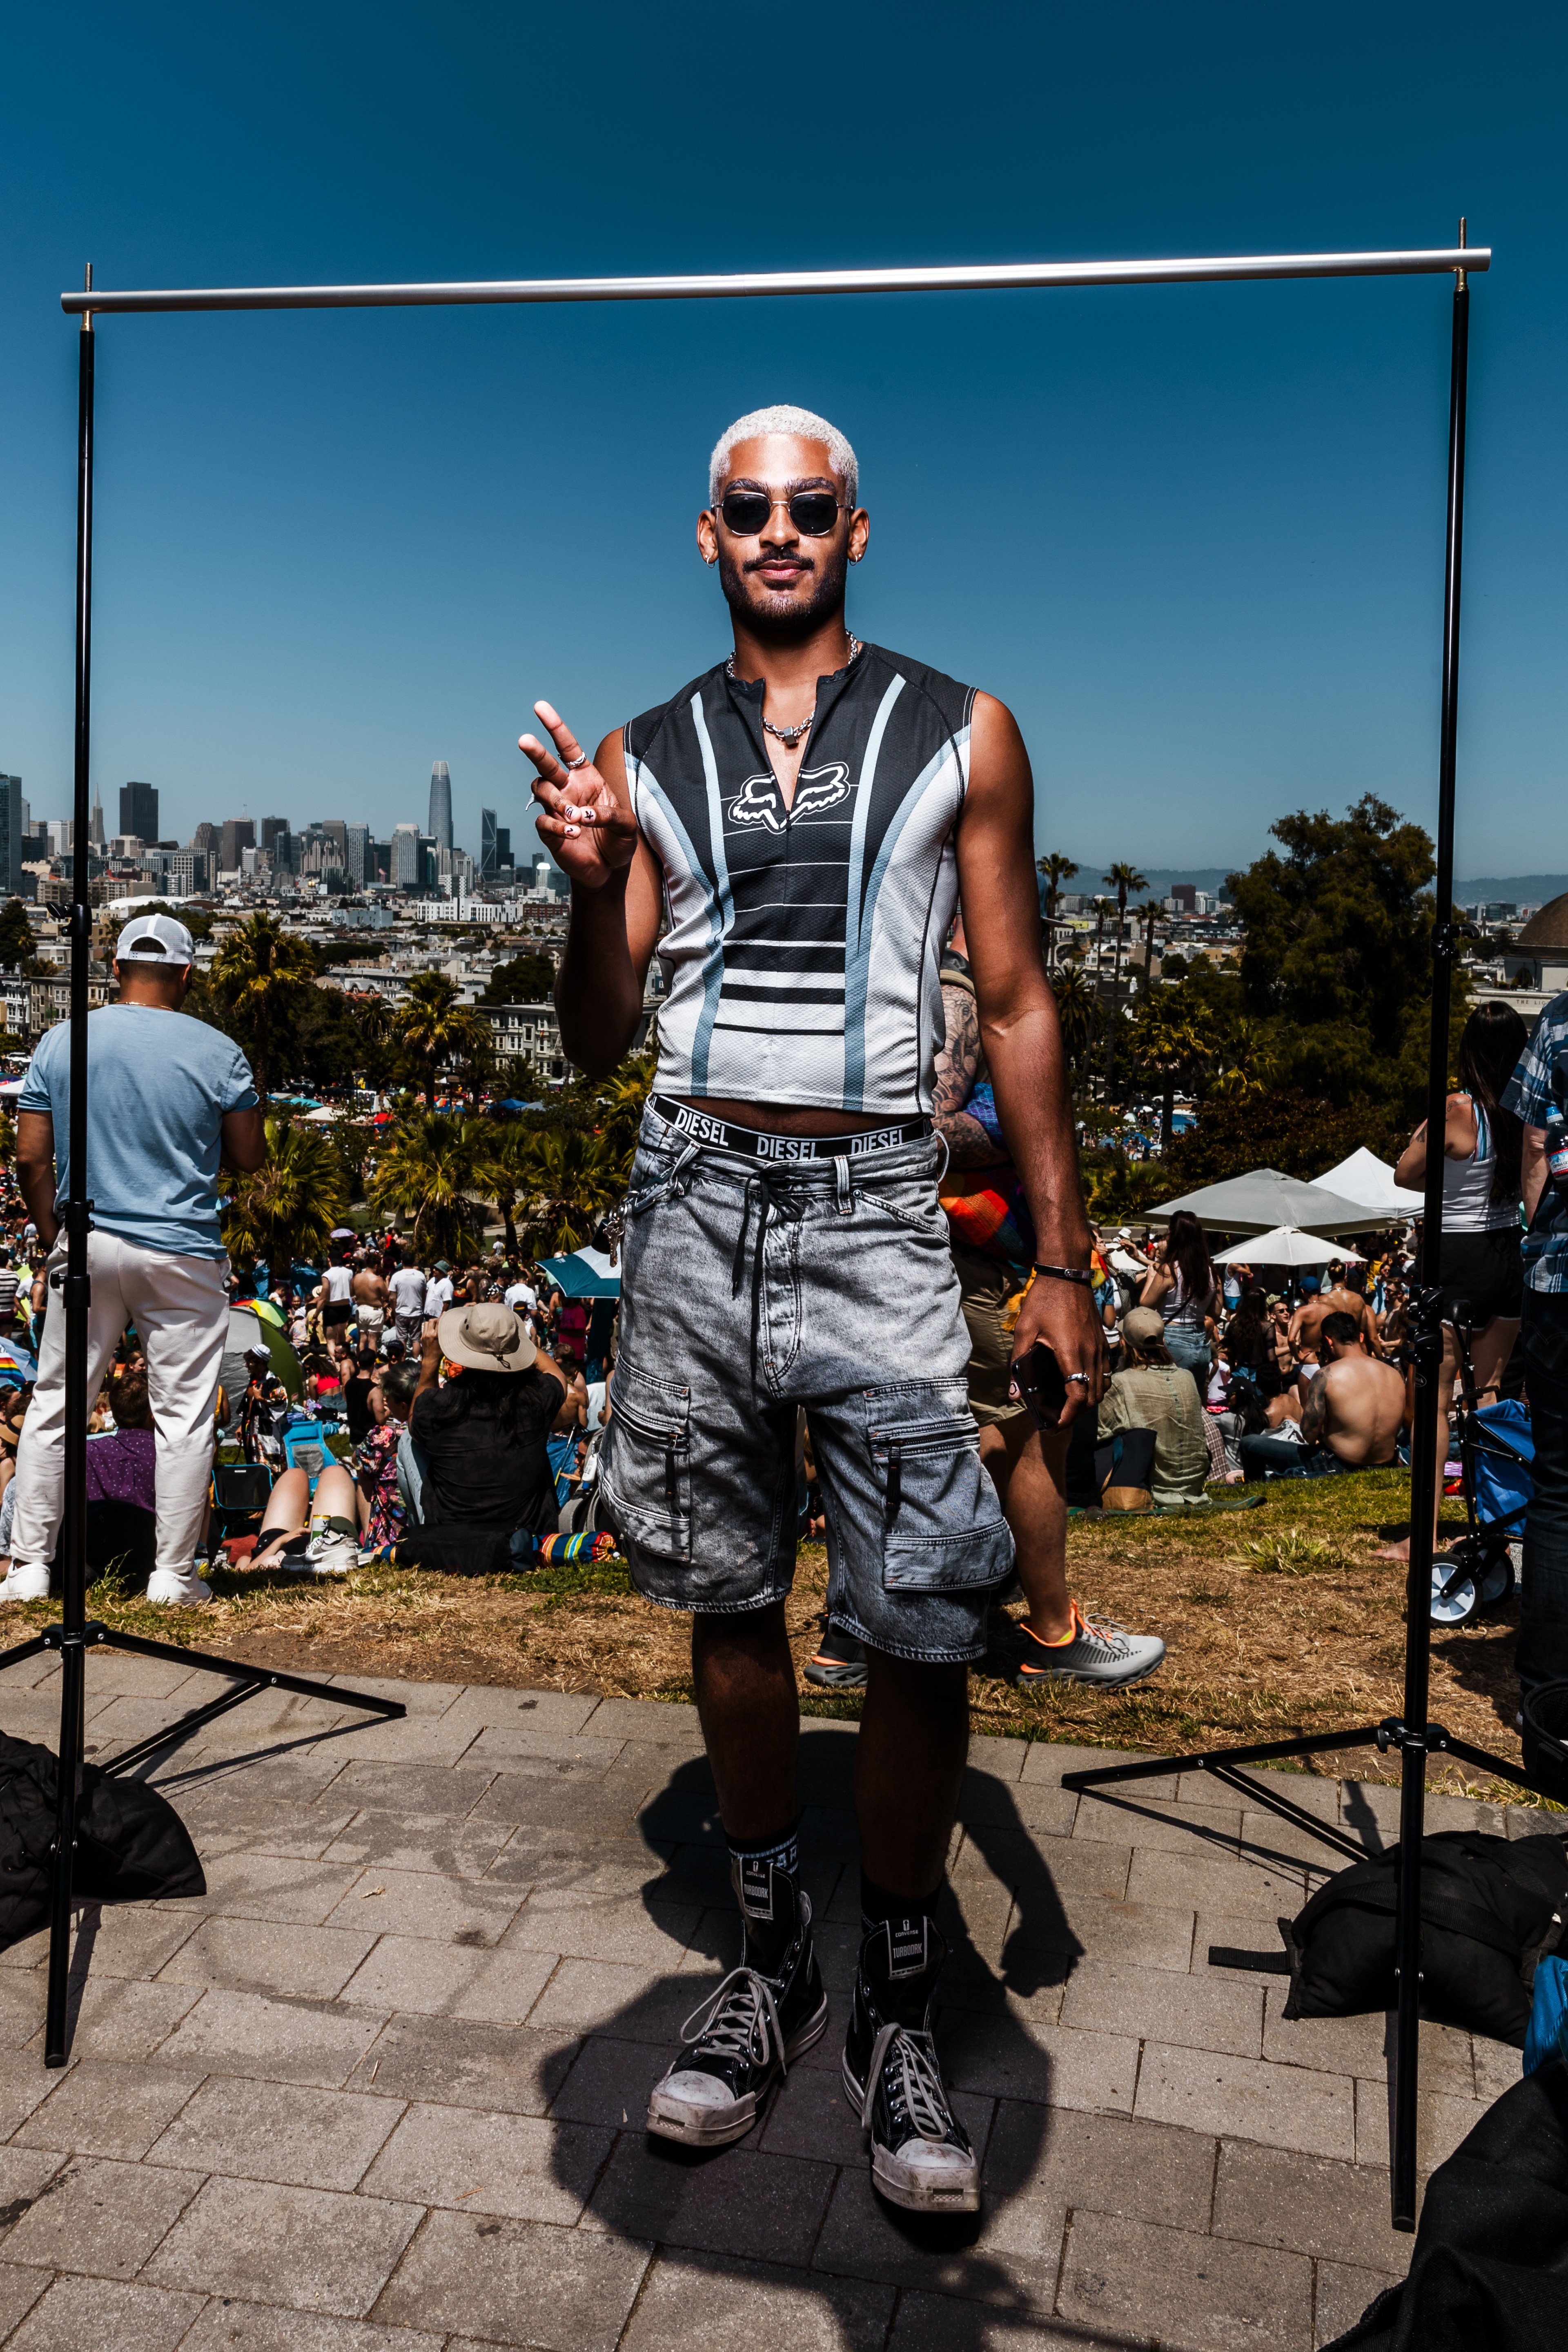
(180, 1308)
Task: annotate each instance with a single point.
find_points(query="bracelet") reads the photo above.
(1080, 1273)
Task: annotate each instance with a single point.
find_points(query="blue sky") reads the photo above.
(1192, 536)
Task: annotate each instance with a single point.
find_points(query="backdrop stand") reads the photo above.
(76, 1634)
(1413, 1737)
(1410, 1733)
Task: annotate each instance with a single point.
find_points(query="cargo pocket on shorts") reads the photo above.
(943, 1528)
(646, 1472)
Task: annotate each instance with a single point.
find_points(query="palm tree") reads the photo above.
(1166, 1045)
(625, 1092)
(569, 1180)
(434, 1026)
(433, 1167)
(354, 1141)
(1057, 870)
(1150, 913)
(1075, 1010)
(288, 1208)
(1122, 878)
(260, 972)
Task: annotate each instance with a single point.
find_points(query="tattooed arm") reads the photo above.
(957, 1074)
(1315, 1410)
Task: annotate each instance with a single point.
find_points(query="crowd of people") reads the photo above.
(1219, 1374)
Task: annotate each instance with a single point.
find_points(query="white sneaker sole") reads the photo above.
(914, 2187)
(733, 2122)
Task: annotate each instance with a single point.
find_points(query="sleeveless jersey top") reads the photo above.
(803, 944)
(1468, 1203)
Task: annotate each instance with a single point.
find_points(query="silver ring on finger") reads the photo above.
(1077, 1376)
(580, 761)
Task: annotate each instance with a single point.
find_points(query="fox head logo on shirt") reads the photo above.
(759, 802)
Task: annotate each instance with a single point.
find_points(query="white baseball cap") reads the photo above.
(154, 938)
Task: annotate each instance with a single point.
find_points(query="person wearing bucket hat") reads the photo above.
(169, 1101)
(480, 1431)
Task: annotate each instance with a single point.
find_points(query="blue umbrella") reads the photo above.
(587, 1273)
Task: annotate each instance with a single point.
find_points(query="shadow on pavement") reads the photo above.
(796, 2191)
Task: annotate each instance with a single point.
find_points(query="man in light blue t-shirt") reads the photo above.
(168, 1098)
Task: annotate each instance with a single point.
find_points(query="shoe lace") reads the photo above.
(741, 2021)
(1106, 1631)
(917, 2078)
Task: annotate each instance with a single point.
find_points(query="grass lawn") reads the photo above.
(1277, 1621)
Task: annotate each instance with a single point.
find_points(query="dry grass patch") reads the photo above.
(1277, 1622)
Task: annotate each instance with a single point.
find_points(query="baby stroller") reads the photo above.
(1496, 1452)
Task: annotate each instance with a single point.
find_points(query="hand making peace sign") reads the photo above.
(591, 834)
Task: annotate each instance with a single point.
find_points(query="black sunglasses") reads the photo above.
(813, 512)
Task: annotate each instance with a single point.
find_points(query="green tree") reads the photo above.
(356, 1143)
(568, 1180)
(525, 980)
(435, 1028)
(16, 935)
(1123, 878)
(288, 1208)
(1279, 1128)
(1166, 1047)
(1075, 1009)
(623, 1095)
(259, 976)
(1338, 958)
(1149, 913)
(434, 1168)
(1056, 869)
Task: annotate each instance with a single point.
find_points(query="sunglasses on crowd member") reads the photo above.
(814, 513)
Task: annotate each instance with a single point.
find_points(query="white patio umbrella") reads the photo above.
(1369, 1182)
(1288, 1246)
(1263, 1201)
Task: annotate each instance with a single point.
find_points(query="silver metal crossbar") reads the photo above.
(957, 277)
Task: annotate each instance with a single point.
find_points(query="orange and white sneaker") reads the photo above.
(1095, 1651)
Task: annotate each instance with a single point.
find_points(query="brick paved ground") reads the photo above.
(382, 2090)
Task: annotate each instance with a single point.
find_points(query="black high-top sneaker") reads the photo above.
(766, 2012)
(920, 2153)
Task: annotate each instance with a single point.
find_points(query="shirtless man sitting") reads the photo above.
(1331, 1299)
(1336, 1297)
(1351, 1413)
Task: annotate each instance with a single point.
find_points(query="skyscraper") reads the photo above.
(10, 834)
(440, 825)
(357, 856)
(405, 872)
(486, 844)
(138, 811)
(271, 826)
(238, 833)
(95, 830)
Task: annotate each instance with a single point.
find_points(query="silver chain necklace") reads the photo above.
(790, 736)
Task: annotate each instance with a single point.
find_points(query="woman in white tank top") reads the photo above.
(1480, 1271)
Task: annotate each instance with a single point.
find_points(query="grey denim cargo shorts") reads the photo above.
(750, 1288)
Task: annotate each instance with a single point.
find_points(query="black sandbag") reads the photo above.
(1489, 2272)
(131, 1845)
(1490, 1908)
(456, 1550)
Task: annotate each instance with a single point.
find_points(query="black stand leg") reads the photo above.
(74, 1636)
(1412, 1736)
